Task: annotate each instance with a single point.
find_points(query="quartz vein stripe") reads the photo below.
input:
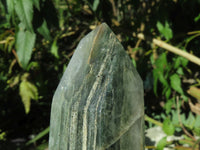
(88, 101)
(96, 109)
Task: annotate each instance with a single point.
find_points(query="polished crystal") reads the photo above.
(98, 104)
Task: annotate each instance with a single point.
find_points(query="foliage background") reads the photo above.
(38, 38)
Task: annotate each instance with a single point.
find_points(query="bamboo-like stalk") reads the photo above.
(171, 48)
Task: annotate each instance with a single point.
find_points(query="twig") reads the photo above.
(150, 147)
(179, 118)
(6, 41)
(114, 8)
(147, 118)
(182, 148)
(138, 43)
(193, 32)
(78, 39)
(171, 48)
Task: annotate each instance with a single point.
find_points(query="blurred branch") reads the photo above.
(38, 136)
(171, 48)
(7, 40)
(114, 8)
(147, 118)
(180, 122)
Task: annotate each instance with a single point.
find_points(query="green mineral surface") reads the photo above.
(98, 104)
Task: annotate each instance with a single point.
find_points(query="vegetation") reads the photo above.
(38, 38)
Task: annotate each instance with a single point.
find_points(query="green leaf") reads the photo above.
(184, 61)
(197, 125)
(168, 105)
(13, 81)
(197, 122)
(168, 93)
(161, 144)
(197, 18)
(177, 62)
(190, 122)
(134, 63)
(33, 64)
(159, 26)
(180, 61)
(54, 49)
(165, 30)
(2, 135)
(158, 72)
(175, 82)
(161, 62)
(168, 127)
(24, 44)
(24, 10)
(10, 6)
(183, 118)
(27, 92)
(95, 5)
(180, 71)
(175, 117)
(162, 79)
(44, 31)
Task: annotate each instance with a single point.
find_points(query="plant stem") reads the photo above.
(171, 48)
(147, 118)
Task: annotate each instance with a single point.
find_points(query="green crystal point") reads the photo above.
(98, 104)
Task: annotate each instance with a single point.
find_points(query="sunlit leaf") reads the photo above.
(54, 49)
(180, 71)
(168, 105)
(24, 10)
(27, 92)
(166, 31)
(24, 44)
(161, 62)
(168, 93)
(162, 79)
(197, 18)
(10, 6)
(95, 5)
(2, 135)
(177, 62)
(175, 117)
(134, 62)
(159, 26)
(44, 31)
(197, 125)
(161, 144)
(158, 72)
(184, 61)
(168, 127)
(190, 122)
(175, 82)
